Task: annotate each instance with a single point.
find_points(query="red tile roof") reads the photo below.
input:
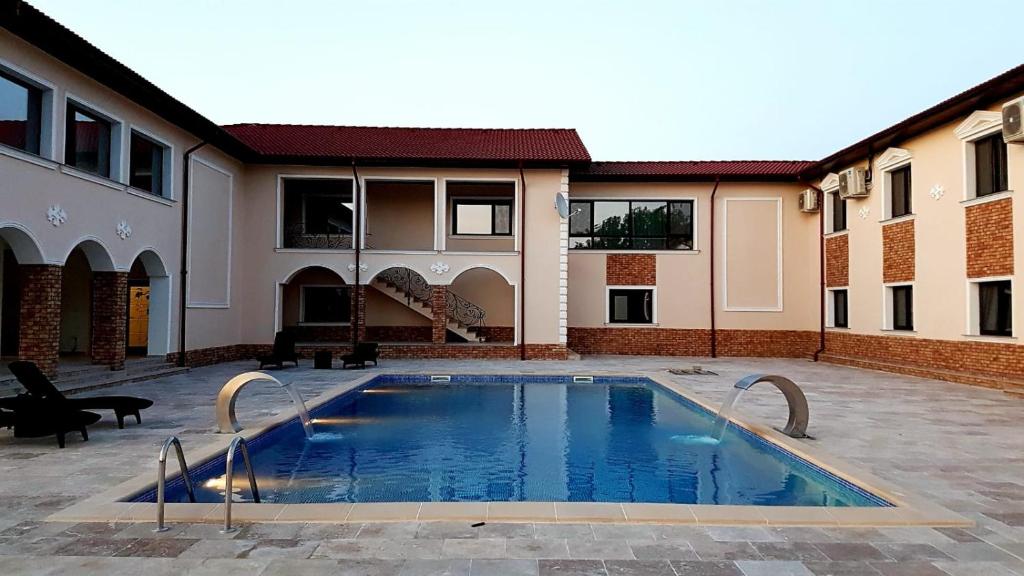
(694, 170)
(289, 141)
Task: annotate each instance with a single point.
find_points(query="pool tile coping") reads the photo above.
(909, 509)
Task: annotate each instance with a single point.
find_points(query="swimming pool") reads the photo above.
(401, 438)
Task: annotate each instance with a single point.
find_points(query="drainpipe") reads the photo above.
(522, 262)
(821, 270)
(186, 192)
(714, 334)
(356, 242)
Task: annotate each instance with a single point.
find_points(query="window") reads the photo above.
(838, 308)
(899, 192)
(630, 305)
(631, 224)
(838, 205)
(318, 213)
(482, 217)
(990, 165)
(902, 307)
(146, 165)
(325, 305)
(21, 121)
(995, 308)
(87, 144)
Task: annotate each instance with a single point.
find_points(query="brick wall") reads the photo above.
(358, 311)
(898, 252)
(39, 316)
(631, 269)
(837, 261)
(399, 333)
(990, 239)
(108, 328)
(439, 313)
(497, 333)
(693, 342)
(546, 351)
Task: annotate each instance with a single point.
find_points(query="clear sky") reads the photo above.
(787, 79)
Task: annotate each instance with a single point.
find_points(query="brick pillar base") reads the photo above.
(109, 309)
(439, 311)
(39, 316)
(358, 312)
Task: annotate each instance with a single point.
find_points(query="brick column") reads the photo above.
(357, 313)
(439, 307)
(109, 322)
(39, 316)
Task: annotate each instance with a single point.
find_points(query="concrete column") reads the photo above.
(439, 308)
(109, 318)
(39, 316)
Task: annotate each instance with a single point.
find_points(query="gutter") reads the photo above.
(186, 192)
(821, 271)
(714, 333)
(357, 241)
(522, 263)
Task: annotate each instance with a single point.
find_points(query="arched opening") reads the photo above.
(92, 308)
(317, 306)
(399, 307)
(148, 307)
(482, 301)
(17, 249)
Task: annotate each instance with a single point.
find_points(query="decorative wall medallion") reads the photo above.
(124, 231)
(937, 191)
(863, 213)
(440, 268)
(362, 267)
(56, 215)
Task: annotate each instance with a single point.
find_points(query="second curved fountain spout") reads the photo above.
(796, 426)
(227, 423)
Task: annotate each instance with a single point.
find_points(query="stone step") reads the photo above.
(105, 379)
(1011, 386)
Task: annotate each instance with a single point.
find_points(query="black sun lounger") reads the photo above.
(283, 351)
(32, 418)
(40, 388)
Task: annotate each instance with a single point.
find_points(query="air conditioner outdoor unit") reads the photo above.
(809, 200)
(1013, 127)
(852, 183)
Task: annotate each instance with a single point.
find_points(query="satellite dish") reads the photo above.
(562, 205)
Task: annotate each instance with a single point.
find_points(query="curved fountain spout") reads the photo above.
(796, 426)
(227, 423)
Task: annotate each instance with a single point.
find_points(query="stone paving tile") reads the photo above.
(504, 567)
(292, 567)
(958, 534)
(600, 549)
(977, 569)
(365, 567)
(157, 548)
(639, 568)
(726, 551)
(706, 568)
(508, 530)
(841, 551)
(623, 531)
(539, 548)
(233, 548)
(903, 552)
(264, 531)
(841, 569)
(474, 548)
(743, 534)
(571, 568)
(392, 530)
(435, 568)
(662, 550)
(280, 548)
(574, 531)
(446, 530)
(799, 551)
(908, 569)
(93, 547)
(773, 568)
(328, 531)
(802, 534)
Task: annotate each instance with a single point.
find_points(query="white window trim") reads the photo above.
(973, 315)
(891, 160)
(168, 162)
(302, 304)
(887, 307)
(364, 180)
(607, 306)
(118, 136)
(279, 211)
(829, 189)
(830, 309)
(980, 124)
(479, 200)
(48, 121)
(441, 210)
(694, 249)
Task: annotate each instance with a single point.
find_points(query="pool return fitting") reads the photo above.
(796, 426)
(227, 423)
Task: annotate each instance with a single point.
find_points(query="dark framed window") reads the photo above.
(146, 164)
(902, 307)
(630, 305)
(631, 224)
(21, 118)
(899, 192)
(990, 165)
(317, 213)
(482, 216)
(326, 304)
(840, 309)
(995, 312)
(87, 141)
(838, 212)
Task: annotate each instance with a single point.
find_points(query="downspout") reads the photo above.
(357, 238)
(186, 192)
(821, 270)
(522, 263)
(714, 333)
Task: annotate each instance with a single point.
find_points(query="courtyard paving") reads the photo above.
(960, 446)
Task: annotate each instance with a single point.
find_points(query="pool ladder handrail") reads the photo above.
(237, 443)
(161, 480)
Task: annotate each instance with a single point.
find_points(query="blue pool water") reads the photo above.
(403, 439)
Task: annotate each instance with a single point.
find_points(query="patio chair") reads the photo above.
(40, 388)
(34, 418)
(283, 351)
(364, 352)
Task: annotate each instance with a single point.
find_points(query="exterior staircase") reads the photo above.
(75, 378)
(410, 290)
